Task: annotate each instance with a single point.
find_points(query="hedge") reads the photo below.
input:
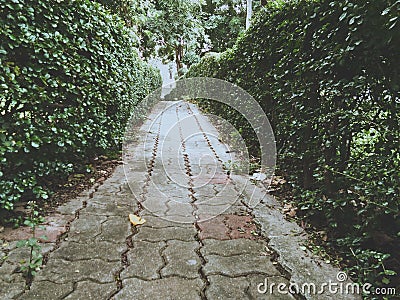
(70, 77)
(326, 73)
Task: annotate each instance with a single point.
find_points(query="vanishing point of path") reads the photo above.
(207, 234)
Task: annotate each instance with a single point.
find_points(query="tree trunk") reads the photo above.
(308, 164)
(178, 57)
(330, 155)
(249, 13)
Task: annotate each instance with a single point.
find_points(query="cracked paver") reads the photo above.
(74, 251)
(232, 247)
(239, 265)
(245, 287)
(48, 290)
(62, 271)
(181, 259)
(145, 260)
(171, 288)
(91, 290)
(204, 236)
(186, 233)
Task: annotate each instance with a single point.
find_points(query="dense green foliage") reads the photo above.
(326, 73)
(168, 29)
(180, 30)
(123, 8)
(224, 21)
(70, 79)
(173, 30)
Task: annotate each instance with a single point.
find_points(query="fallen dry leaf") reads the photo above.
(303, 224)
(292, 213)
(323, 235)
(278, 180)
(101, 179)
(289, 210)
(287, 207)
(136, 220)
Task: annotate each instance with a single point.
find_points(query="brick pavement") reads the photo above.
(204, 236)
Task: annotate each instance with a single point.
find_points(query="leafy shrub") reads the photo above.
(326, 73)
(70, 78)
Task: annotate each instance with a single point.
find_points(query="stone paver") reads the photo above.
(181, 259)
(91, 290)
(200, 239)
(165, 234)
(222, 287)
(153, 221)
(62, 271)
(214, 228)
(241, 226)
(54, 227)
(115, 229)
(105, 208)
(71, 207)
(227, 226)
(239, 265)
(11, 290)
(232, 247)
(171, 288)
(74, 251)
(48, 290)
(269, 288)
(246, 287)
(145, 260)
(86, 228)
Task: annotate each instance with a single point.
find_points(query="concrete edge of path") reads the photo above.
(286, 239)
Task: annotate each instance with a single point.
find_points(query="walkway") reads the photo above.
(206, 235)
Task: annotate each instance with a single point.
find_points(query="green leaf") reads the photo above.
(385, 280)
(343, 16)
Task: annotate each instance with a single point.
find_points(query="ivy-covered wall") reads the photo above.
(326, 73)
(69, 79)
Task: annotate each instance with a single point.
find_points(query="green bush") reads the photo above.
(69, 79)
(326, 73)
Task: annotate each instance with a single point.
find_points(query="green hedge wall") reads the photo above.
(69, 79)
(326, 73)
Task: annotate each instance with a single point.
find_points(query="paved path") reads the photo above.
(205, 235)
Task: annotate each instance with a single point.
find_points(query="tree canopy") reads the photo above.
(182, 30)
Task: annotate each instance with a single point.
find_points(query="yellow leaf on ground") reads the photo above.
(136, 220)
(292, 213)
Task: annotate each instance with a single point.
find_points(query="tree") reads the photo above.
(124, 8)
(224, 21)
(249, 10)
(173, 30)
